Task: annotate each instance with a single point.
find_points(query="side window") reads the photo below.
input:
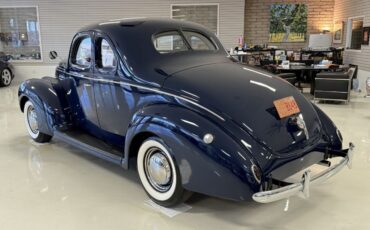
(169, 42)
(198, 41)
(82, 52)
(105, 55)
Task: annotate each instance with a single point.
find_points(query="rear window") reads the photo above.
(173, 42)
(198, 41)
(169, 42)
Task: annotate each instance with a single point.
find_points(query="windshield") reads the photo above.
(173, 42)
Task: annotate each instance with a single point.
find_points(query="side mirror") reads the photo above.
(53, 54)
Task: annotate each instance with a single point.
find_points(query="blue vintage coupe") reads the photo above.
(168, 94)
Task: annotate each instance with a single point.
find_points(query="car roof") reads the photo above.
(158, 23)
(133, 40)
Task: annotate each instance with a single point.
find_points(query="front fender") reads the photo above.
(220, 169)
(44, 94)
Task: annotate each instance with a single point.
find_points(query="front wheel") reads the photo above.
(32, 124)
(159, 175)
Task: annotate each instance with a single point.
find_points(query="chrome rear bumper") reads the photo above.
(303, 187)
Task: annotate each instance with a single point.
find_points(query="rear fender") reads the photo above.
(332, 134)
(220, 169)
(45, 95)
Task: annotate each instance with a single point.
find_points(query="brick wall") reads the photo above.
(257, 20)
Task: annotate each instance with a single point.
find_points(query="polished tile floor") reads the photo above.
(54, 186)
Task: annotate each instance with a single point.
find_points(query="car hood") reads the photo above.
(245, 96)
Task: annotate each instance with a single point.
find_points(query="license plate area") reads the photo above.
(286, 107)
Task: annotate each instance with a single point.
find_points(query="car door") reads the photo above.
(112, 99)
(81, 63)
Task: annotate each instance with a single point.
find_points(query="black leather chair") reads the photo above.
(333, 86)
(289, 77)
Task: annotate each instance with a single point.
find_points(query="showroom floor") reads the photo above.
(54, 186)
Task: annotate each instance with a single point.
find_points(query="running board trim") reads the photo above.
(88, 148)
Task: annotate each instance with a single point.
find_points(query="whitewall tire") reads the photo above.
(159, 174)
(32, 123)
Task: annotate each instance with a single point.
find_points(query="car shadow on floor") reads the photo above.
(244, 214)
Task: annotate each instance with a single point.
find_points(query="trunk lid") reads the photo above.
(246, 97)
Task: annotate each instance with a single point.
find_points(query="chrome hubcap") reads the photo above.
(32, 119)
(158, 170)
(6, 76)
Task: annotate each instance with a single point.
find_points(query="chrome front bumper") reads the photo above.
(303, 187)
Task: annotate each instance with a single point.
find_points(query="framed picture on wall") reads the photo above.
(365, 35)
(338, 32)
(288, 23)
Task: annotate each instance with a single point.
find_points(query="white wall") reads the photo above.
(343, 9)
(27, 71)
(362, 76)
(60, 19)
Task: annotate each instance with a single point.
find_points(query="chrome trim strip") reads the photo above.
(257, 72)
(262, 85)
(192, 94)
(95, 151)
(303, 186)
(157, 90)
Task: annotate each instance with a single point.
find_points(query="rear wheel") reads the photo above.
(6, 77)
(32, 124)
(159, 175)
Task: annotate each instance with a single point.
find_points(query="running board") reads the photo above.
(91, 145)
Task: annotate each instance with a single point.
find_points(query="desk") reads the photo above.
(256, 53)
(300, 70)
(240, 56)
(337, 56)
